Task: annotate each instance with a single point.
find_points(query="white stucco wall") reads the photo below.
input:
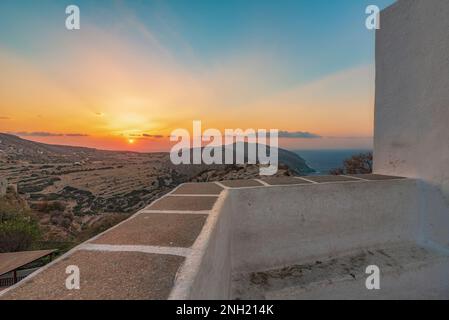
(279, 226)
(206, 274)
(412, 92)
(263, 228)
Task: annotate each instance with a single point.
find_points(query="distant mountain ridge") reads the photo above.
(286, 158)
(15, 148)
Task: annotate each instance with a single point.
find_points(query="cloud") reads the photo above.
(158, 136)
(47, 134)
(144, 135)
(76, 135)
(298, 134)
(37, 134)
(350, 137)
(4, 118)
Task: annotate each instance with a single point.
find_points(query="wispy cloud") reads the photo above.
(298, 134)
(145, 135)
(350, 137)
(4, 118)
(76, 135)
(158, 136)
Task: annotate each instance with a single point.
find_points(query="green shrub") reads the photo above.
(18, 228)
(10, 210)
(358, 164)
(48, 206)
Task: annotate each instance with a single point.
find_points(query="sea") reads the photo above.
(325, 160)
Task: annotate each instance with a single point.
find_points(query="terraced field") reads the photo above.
(93, 185)
(72, 188)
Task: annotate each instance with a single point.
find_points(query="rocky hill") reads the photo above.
(14, 148)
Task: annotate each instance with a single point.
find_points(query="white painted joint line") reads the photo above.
(356, 178)
(173, 190)
(160, 198)
(263, 182)
(176, 211)
(249, 187)
(343, 182)
(302, 178)
(176, 251)
(194, 195)
(221, 185)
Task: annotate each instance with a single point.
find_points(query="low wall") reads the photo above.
(279, 226)
(260, 228)
(206, 273)
(434, 216)
(214, 279)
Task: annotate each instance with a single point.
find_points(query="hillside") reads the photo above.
(14, 148)
(73, 188)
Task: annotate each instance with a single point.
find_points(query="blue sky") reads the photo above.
(315, 37)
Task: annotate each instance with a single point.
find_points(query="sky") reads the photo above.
(139, 69)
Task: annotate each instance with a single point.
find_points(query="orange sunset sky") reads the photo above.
(138, 70)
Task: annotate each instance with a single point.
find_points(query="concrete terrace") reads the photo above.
(231, 240)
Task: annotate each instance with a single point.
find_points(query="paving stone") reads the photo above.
(156, 229)
(330, 178)
(374, 177)
(199, 188)
(184, 203)
(105, 276)
(241, 183)
(276, 181)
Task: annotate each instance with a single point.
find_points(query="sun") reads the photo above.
(130, 141)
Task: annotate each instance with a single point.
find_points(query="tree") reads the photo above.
(358, 164)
